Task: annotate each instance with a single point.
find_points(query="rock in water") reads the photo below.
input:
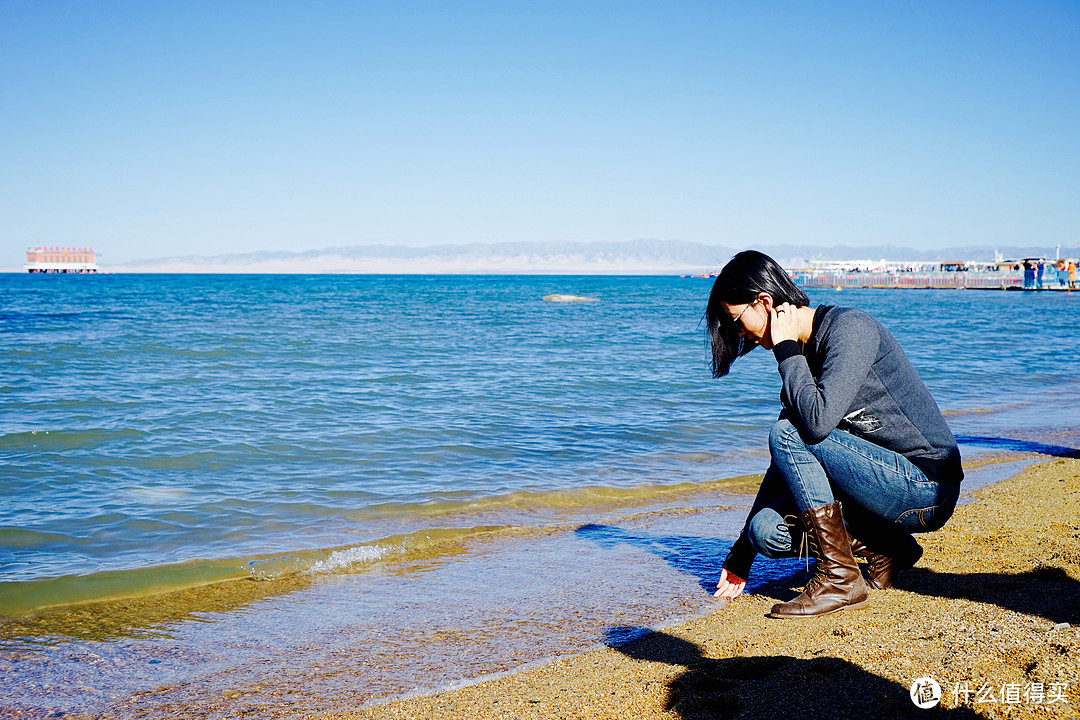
(569, 298)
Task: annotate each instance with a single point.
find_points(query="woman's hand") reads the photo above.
(730, 585)
(783, 323)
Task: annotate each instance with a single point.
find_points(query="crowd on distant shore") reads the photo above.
(1061, 273)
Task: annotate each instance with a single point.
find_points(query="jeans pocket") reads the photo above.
(930, 518)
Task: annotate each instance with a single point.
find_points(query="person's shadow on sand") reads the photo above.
(697, 556)
(771, 687)
(1047, 592)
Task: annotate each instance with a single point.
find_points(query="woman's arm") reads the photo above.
(736, 567)
(817, 405)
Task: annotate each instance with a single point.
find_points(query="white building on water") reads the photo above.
(60, 260)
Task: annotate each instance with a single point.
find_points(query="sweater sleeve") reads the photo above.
(817, 405)
(741, 557)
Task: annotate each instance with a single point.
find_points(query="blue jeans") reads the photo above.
(885, 496)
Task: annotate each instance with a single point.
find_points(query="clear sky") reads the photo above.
(151, 129)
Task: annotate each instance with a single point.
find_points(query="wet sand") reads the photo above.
(991, 613)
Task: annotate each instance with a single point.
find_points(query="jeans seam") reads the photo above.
(802, 483)
(888, 469)
(924, 482)
(856, 450)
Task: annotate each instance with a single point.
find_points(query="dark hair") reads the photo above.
(743, 278)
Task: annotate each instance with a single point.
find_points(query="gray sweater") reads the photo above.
(853, 375)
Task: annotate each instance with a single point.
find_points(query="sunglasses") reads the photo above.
(735, 320)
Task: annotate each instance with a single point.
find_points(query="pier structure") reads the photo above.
(1000, 274)
(60, 260)
(911, 279)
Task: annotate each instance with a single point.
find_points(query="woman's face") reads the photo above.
(752, 321)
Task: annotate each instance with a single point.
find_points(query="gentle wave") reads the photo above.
(19, 599)
(63, 440)
(22, 599)
(442, 531)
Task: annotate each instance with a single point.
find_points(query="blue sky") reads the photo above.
(158, 129)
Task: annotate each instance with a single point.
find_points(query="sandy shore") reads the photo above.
(991, 613)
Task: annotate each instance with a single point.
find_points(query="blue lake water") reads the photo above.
(163, 432)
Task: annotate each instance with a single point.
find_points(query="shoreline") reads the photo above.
(990, 612)
(167, 597)
(212, 577)
(439, 530)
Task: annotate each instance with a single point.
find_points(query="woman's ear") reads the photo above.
(766, 301)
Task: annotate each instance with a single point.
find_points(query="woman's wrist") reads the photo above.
(785, 349)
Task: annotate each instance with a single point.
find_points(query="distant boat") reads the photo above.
(78, 261)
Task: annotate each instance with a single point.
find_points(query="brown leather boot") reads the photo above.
(837, 583)
(882, 569)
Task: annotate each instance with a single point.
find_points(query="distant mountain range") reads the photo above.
(644, 257)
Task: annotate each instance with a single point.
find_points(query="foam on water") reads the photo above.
(345, 560)
(348, 559)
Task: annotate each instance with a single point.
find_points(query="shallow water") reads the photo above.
(396, 463)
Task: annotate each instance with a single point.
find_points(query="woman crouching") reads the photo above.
(861, 456)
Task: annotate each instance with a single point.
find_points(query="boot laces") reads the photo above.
(807, 543)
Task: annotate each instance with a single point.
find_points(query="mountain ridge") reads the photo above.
(628, 257)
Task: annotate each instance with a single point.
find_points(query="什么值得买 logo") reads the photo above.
(925, 693)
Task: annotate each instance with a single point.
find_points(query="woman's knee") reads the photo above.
(783, 435)
(770, 535)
